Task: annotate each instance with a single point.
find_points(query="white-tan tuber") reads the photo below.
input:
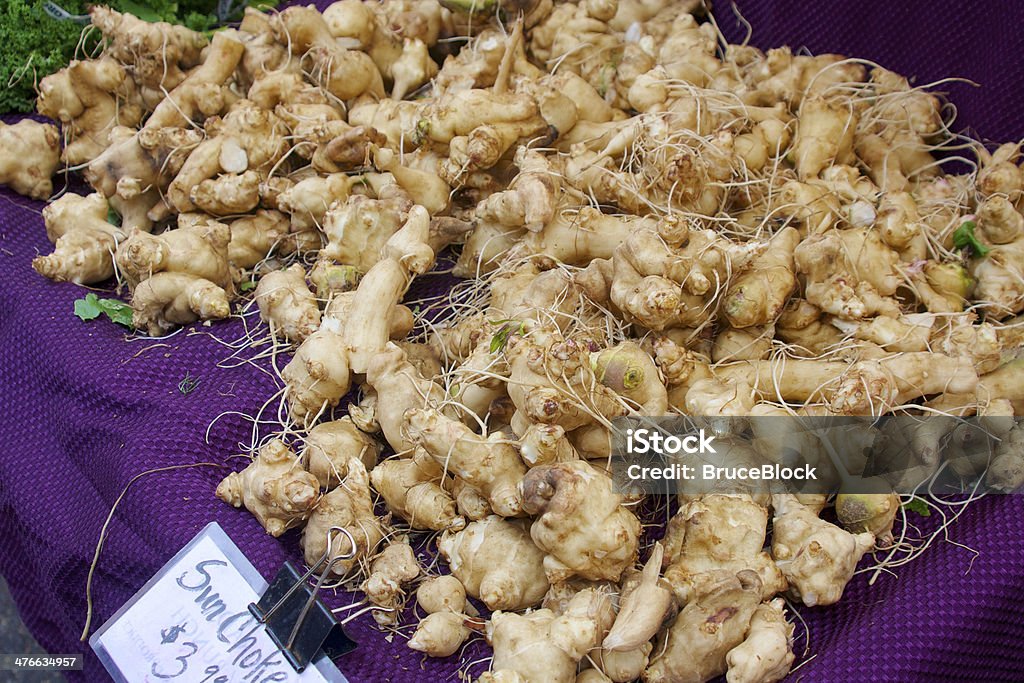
(766, 654)
(412, 489)
(31, 154)
(349, 506)
(287, 305)
(84, 240)
(197, 247)
(580, 522)
(440, 634)
(719, 534)
(694, 648)
(330, 445)
(394, 568)
(169, 300)
(491, 465)
(497, 562)
(544, 647)
(443, 593)
(274, 488)
(641, 609)
(817, 558)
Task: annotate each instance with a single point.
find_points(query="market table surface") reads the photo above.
(86, 411)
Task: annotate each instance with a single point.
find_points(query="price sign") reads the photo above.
(191, 622)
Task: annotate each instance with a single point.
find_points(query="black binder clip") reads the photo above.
(297, 621)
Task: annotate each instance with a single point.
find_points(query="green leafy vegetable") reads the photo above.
(88, 308)
(247, 286)
(964, 237)
(92, 306)
(917, 505)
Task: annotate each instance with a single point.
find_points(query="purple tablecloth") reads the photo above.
(85, 411)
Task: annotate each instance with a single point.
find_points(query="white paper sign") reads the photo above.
(191, 622)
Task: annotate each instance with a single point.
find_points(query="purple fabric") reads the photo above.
(85, 411)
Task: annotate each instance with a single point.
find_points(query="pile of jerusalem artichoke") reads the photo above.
(655, 223)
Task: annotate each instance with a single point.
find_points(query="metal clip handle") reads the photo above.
(325, 558)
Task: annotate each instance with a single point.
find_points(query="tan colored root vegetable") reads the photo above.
(169, 300)
(320, 372)
(200, 93)
(869, 387)
(138, 166)
(400, 387)
(1006, 472)
(580, 522)
(497, 562)
(850, 273)
(287, 305)
(31, 154)
(1000, 172)
(618, 667)
(551, 382)
(158, 54)
(399, 321)
(872, 387)
(308, 199)
(817, 558)
(790, 78)
(350, 507)
(720, 534)
(358, 228)
(411, 488)
(443, 593)
(330, 445)
(824, 136)
(339, 147)
(544, 647)
(197, 247)
(246, 139)
(716, 398)
(758, 296)
(89, 98)
(749, 343)
(694, 648)
(543, 444)
(85, 241)
(471, 503)
(630, 372)
(255, 237)
(330, 279)
(406, 254)
(578, 237)
(642, 609)
(274, 488)
(546, 297)
(998, 275)
(440, 634)
(874, 513)
(345, 74)
(766, 654)
(390, 572)
(418, 176)
(491, 465)
(228, 194)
